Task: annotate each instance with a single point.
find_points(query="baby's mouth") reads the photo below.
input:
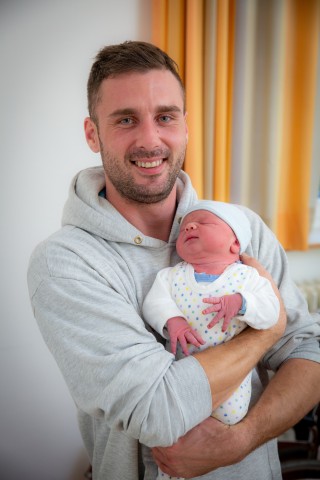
(190, 237)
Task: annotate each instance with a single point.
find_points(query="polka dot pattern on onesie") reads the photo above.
(189, 298)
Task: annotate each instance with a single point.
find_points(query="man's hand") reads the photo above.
(211, 445)
(180, 330)
(206, 447)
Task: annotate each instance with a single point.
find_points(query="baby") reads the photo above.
(212, 236)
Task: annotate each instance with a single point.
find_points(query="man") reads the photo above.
(88, 281)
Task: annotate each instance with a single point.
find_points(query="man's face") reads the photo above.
(141, 134)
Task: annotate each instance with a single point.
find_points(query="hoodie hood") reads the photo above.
(87, 210)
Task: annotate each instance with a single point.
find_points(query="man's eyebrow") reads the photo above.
(132, 111)
(122, 111)
(168, 108)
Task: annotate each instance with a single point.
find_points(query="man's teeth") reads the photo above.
(153, 164)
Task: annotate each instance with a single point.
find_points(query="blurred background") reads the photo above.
(251, 69)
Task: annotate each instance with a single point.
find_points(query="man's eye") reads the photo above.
(165, 118)
(126, 121)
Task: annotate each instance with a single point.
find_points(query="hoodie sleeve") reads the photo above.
(159, 305)
(114, 367)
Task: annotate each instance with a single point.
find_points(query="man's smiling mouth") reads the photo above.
(155, 163)
(148, 158)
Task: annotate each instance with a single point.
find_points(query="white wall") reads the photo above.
(46, 50)
(305, 266)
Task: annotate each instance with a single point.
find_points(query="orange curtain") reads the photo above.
(223, 95)
(250, 68)
(180, 27)
(168, 29)
(194, 81)
(301, 47)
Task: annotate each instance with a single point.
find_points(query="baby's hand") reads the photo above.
(180, 330)
(226, 307)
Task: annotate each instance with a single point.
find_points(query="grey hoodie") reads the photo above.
(87, 283)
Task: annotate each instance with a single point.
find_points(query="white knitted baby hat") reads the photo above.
(230, 214)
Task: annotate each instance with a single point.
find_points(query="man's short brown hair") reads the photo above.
(131, 56)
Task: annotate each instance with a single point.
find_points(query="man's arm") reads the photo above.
(290, 395)
(292, 392)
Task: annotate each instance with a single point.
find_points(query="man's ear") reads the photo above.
(235, 246)
(91, 133)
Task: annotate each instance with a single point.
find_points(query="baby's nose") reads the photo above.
(190, 226)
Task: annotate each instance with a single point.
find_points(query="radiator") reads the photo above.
(311, 292)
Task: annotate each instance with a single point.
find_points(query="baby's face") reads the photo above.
(204, 234)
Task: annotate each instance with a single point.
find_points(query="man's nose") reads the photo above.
(190, 226)
(148, 135)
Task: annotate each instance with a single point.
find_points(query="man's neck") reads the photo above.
(154, 219)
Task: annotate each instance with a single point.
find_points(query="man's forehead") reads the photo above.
(129, 85)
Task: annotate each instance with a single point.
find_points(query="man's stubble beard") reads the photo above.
(124, 183)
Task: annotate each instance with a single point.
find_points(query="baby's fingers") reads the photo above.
(215, 305)
(183, 343)
(226, 323)
(212, 300)
(195, 338)
(174, 345)
(216, 319)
